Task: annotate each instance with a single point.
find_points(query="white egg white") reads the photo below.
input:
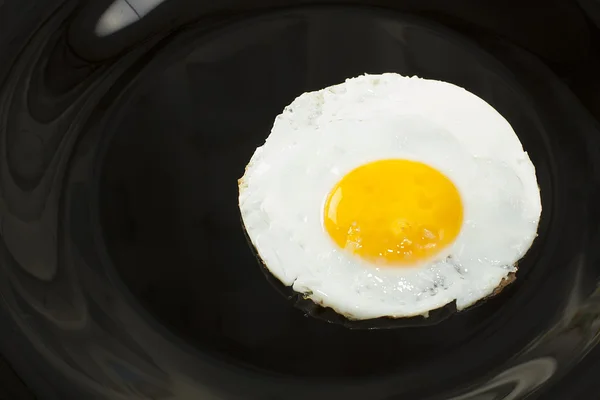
(323, 135)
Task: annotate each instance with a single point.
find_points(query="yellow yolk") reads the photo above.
(394, 212)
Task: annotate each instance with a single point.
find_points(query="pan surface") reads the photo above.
(156, 283)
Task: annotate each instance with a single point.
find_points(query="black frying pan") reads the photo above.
(149, 218)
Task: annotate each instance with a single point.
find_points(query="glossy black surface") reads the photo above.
(125, 270)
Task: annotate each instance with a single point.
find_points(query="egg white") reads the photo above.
(323, 135)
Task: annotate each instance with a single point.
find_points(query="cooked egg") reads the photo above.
(391, 196)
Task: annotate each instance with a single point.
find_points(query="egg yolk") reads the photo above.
(394, 212)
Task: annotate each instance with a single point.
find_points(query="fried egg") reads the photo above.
(391, 196)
